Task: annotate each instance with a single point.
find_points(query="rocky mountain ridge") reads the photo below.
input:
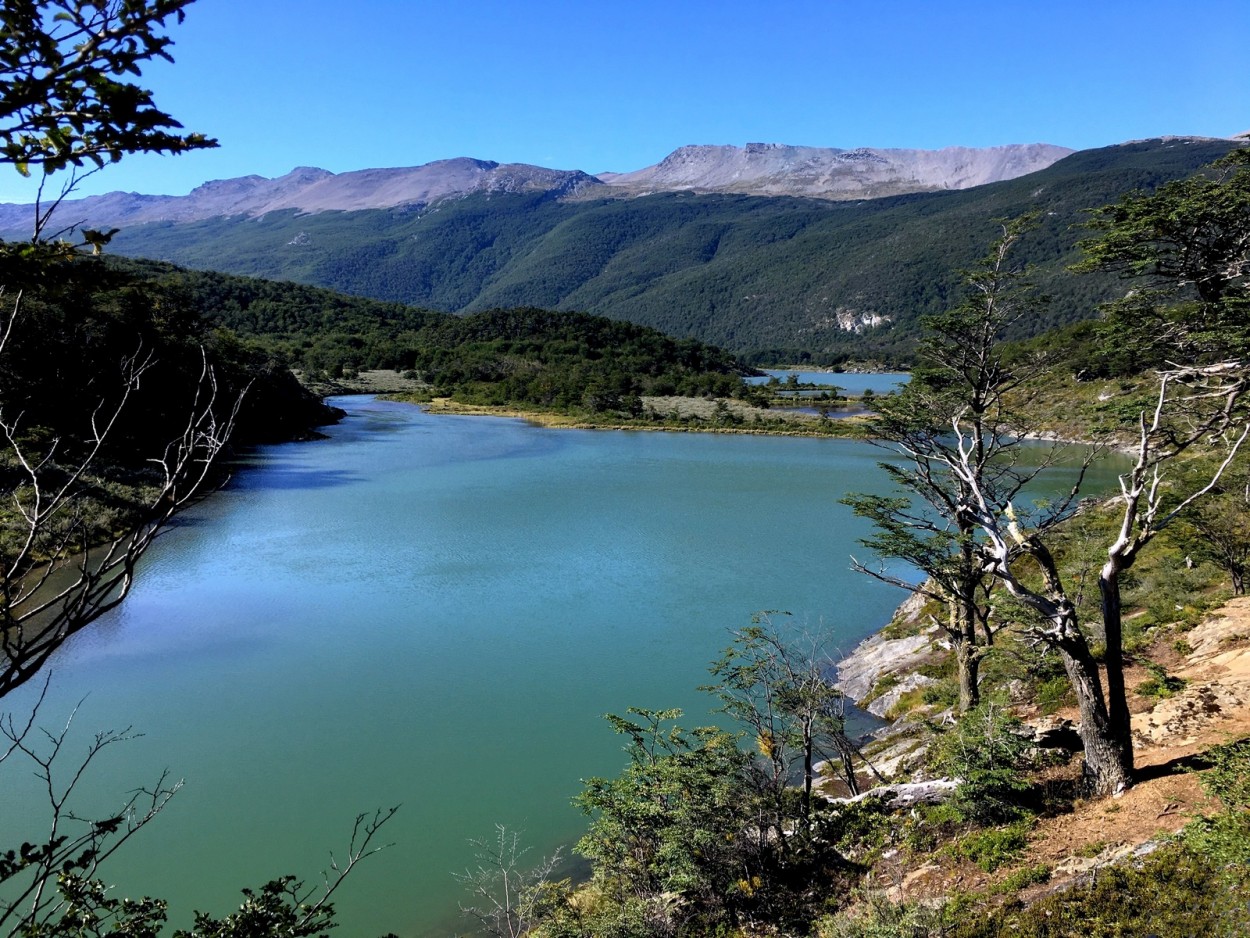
(757, 169)
(830, 173)
(310, 190)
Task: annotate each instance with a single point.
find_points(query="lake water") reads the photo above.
(851, 384)
(436, 611)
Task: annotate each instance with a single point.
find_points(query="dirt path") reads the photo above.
(1213, 708)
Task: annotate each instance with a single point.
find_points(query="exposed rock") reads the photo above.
(310, 190)
(1111, 854)
(908, 794)
(885, 703)
(760, 169)
(1182, 716)
(1053, 733)
(831, 173)
(898, 755)
(876, 656)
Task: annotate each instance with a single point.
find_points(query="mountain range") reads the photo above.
(757, 169)
(698, 245)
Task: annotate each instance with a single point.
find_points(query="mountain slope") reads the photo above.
(757, 169)
(824, 172)
(805, 278)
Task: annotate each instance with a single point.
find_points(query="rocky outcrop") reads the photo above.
(906, 794)
(879, 660)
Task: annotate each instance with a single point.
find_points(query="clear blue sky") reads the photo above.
(350, 85)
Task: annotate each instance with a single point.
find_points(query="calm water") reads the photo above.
(852, 384)
(436, 611)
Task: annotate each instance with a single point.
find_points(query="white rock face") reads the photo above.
(830, 173)
(876, 656)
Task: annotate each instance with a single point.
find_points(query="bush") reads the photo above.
(985, 751)
(1160, 683)
(1173, 892)
(993, 848)
(1023, 878)
(1225, 838)
(1054, 693)
(881, 918)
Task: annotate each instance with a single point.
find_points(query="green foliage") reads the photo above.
(778, 684)
(64, 67)
(561, 361)
(990, 849)
(1023, 878)
(1054, 693)
(1160, 684)
(878, 917)
(62, 359)
(567, 362)
(985, 752)
(279, 909)
(672, 821)
(1225, 837)
(1175, 891)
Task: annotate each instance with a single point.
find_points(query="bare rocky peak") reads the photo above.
(308, 189)
(756, 169)
(826, 172)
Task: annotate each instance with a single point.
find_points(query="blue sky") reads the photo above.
(350, 85)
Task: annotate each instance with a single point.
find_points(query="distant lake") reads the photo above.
(852, 384)
(436, 610)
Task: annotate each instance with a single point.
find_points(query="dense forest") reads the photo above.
(74, 337)
(558, 361)
(774, 278)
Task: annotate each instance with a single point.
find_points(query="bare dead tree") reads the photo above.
(1194, 407)
(779, 684)
(506, 894)
(60, 568)
(72, 845)
(966, 385)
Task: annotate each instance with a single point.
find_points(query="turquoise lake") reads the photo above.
(436, 611)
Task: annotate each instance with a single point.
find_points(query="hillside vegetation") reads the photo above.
(779, 278)
(523, 356)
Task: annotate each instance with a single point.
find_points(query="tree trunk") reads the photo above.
(968, 659)
(806, 810)
(963, 633)
(1108, 762)
(1121, 720)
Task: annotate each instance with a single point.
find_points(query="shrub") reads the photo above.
(1023, 878)
(993, 848)
(881, 918)
(1160, 683)
(985, 751)
(1173, 892)
(1054, 693)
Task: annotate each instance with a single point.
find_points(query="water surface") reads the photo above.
(436, 611)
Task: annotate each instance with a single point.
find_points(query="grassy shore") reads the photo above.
(673, 414)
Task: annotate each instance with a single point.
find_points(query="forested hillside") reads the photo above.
(780, 278)
(520, 355)
(74, 341)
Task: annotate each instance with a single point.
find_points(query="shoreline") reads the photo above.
(853, 424)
